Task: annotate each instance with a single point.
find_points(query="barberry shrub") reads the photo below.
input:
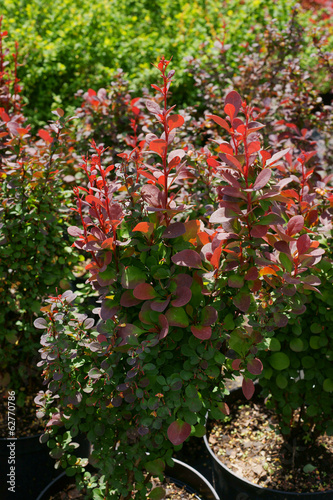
(36, 255)
(185, 297)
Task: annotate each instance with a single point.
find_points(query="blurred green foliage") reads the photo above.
(67, 45)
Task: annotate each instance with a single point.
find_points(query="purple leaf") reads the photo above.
(183, 296)
(187, 258)
(162, 319)
(248, 388)
(252, 274)
(262, 179)
(259, 231)
(152, 195)
(242, 301)
(255, 366)
(40, 323)
(144, 291)
(108, 310)
(178, 432)
(128, 300)
(295, 225)
(75, 231)
(277, 156)
(208, 316)
(153, 107)
(303, 244)
(160, 305)
(235, 100)
(174, 230)
(184, 280)
(282, 246)
(201, 332)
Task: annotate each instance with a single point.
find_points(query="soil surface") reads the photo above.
(250, 446)
(172, 493)
(26, 422)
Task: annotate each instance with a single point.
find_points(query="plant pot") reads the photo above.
(34, 468)
(181, 474)
(231, 486)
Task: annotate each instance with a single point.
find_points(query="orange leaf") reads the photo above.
(45, 135)
(267, 270)
(175, 121)
(144, 227)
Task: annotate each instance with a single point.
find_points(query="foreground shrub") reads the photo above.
(183, 303)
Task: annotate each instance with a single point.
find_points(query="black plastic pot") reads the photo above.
(181, 475)
(231, 486)
(34, 468)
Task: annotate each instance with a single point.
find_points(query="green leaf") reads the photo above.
(199, 431)
(132, 276)
(155, 466)
(316, 328)
(308, 468)
(177, 316)
(281, 381)
(296, 345)
(274, 344)
(279, 361)
(157, 493)
(286, 262)
(328, 385)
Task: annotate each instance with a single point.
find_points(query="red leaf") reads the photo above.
(255, 366)
(92, 199)
(225, 147)
(183, 296)
(101, 338)
(254, 147)
(215, 259)
(265, 155)
(295, 225)
(248, 388)
(178, 432)
(144, 291)
(303, 244)
(174, 230)
(144, 227)
(234, 99)
(208, 316)
(220, 121)
(128, 300)
(236, 364)
(158, 146)
(108, 243)
(175, 121)
(212, 162)
(4, 115)
(187, 258)
(45, 135)
(201, 332)
(262, 179)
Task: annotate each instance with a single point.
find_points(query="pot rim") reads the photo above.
(177, 462)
